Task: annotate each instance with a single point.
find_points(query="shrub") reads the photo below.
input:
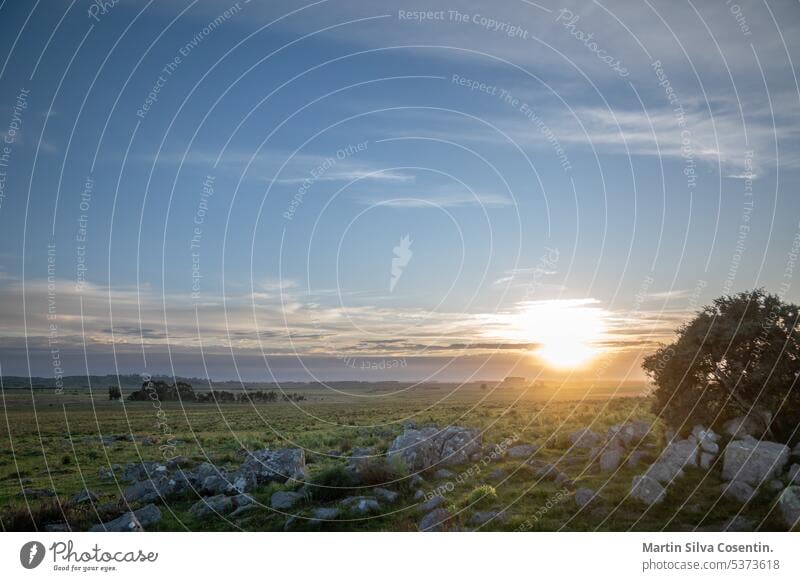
(330, 483)
(482, 494)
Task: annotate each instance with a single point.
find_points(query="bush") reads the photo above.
(330, 484)
(482, 494)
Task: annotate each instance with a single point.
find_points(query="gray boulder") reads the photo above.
(360, 504)
(84, 497)
(483, 517)
(322, 514)
(610, 460)
(738, 491)
(584, 496)
(752, 425)
(135, 521)
(219, 504)
(647, 490)
(522, 451)
(705, 460)
(789, 504)
(673, 459)
(444, 474)
(431, 503)
(283, 500)
(144, 491)
(434, 520)
(388, 496)
(288, 464)
(585, 438)
(423, 448)
(216, 484)
(753, 461)
(629, 433)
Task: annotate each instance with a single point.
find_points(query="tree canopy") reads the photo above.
(739, 355)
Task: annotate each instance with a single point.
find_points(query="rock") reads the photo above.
(216, 484)
(676, 456)
(144, 491)
(419, 495)
(243, 481)
(83, 497)
(585, 438)
(493, 452)
(775, 485)
(706, 460)
(434, 520)
(360, 504)
(739, 491)
(431, 503)
(416, 481)
(635, 458)
(547, 471)
(789, 504)
(288, 464)
(219, 504)
(359, 459)
(522, 451)
(322, 514)
(283, 500)
(59, 527)
(444, 474)
(388, 496)
(564, 480)
(629, 433)
(753, 461)
(753, 425)
(738, 524)
(707, 439)
(421, 449)
(178, 462)
(481, 518)
(584, 496)
(36, 493)
(204, 471)
(793, 476)
(498, 474)
(647, 490)
(610, 460)
(243, 510)
(131, 521)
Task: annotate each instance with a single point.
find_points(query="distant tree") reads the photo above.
(739, 354)
(114, 393)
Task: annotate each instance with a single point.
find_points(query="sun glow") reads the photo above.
(567, 333)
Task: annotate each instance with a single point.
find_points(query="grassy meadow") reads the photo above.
(52, 442)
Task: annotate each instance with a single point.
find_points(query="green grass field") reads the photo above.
(52, 441)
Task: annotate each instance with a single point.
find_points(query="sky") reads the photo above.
(383, 190)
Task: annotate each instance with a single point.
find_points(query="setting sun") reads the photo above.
(566, 333)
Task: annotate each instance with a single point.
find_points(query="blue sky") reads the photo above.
(632, 160)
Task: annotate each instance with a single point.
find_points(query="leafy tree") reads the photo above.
(114, 393)
(739, 354)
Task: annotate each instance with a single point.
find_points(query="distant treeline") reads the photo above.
(182, 391)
